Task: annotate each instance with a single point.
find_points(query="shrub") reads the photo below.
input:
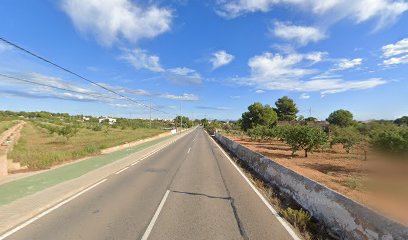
(391, 140)
(299, 218)
(347, 137)
(304, 137)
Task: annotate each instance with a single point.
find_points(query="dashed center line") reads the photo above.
(155, 216)
(188, 150)
(123, 169)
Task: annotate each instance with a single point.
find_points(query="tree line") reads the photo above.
(260, 122)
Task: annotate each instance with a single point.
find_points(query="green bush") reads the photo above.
(391, 140)
(304, 138)
(347, 137)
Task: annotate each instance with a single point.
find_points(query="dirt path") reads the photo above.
(7, 140)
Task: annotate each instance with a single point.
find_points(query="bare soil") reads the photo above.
(378, 183)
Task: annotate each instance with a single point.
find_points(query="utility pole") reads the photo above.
(181, 119)
(150, 111)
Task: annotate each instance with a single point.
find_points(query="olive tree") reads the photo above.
(347, 137)
(304, 138)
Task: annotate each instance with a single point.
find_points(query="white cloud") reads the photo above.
(214, 108)
(304, 96)
(113, 20)
(259, 91)
(221, 58)
(301, 34)
(348, 63)
(396, 60)
(184, 97)
(383, 11)
(278, 72)
(400, 47)
(396, 53)
(139, 59)
(184, 76)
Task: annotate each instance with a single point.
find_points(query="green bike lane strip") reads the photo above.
(26, 186)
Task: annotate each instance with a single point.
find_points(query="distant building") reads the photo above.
(111, 121)
(86, 118)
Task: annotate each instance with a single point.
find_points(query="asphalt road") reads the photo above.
(188, 190)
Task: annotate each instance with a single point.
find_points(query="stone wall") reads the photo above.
(344, 217)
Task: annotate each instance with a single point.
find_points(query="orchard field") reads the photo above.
(366, 161)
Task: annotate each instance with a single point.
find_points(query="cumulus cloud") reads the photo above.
(300, 34)
(278, 72)
(383, 11)
(221, 58)
(140, 59)
(348, 63)
(396, 53)
(112, 20)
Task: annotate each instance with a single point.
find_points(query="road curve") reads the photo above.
(189, 190)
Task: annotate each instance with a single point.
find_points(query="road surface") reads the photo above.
(189, 190)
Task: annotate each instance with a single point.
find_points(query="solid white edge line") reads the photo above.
(268, 205)
(123, 169)
(28, 222)
(31, 220)
(155, 216)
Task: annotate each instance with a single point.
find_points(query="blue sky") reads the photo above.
(214, 58)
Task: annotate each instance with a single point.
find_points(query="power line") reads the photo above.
(55, 87)
(75, 74)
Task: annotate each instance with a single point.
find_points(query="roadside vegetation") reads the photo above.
(5, 125)
(366, 161)
(48, 139)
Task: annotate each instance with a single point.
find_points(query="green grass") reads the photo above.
(5, 125)
(11, 191)
(38, 149)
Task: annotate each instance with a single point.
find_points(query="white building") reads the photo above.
(111, 121)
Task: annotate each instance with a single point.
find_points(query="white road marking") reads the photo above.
(28, 222)
(188, 150)
(123, 169)
(268, 205)
(135, 163)
(155, 216)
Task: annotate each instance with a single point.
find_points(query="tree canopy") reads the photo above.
(341, 118)
(258, 114)
(286, 109)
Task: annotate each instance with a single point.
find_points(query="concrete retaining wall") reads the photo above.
(343, 216)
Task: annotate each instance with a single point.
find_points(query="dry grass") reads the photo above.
(377, 183)
(5, 125)
(37, 149)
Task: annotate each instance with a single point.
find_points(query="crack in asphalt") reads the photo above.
(233, 207)
(201, 194)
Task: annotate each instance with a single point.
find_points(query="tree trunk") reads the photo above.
(306, 153)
